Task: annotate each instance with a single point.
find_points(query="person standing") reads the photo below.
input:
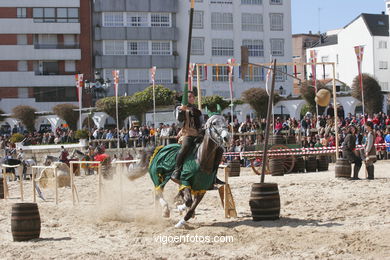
(369, 150)
(350, 153)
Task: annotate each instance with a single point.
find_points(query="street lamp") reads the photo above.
(98, 88)
(281, 90)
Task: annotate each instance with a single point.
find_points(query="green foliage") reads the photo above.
(211, 103)
(257, 98)
(373, 97)
(137, 104)
(26, 114)
(1, 117)
(81, 134)
(238, 102)
(67, 113)
(16, 138)
(306, 108)
(308, 93)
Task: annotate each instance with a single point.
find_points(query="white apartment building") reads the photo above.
(220, 28)
(369, 30)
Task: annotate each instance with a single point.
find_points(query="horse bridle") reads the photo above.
(220, 142)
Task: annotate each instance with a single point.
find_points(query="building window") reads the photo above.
(280, 77)
(221, 21)
(137, 76)
(221, 1)
(222, 93)
(113, 19)
(197, 46)
(22, 65)
(252, 22)
(222, 47)
(70, 66)
(251, 2)
(255, 47)
(383, 65)
(164, 76)
(198, 20)
(277, 47)
(137, 48)
(55, 94)
(160, 20)
(137, 20)
(114, 48)
(384, 85)
(56, 15)
(255, 74)
(276, 2)
(221, 73)
(382, 45)
(276, 22)
(108, 75)
(21, 12)
(201, 74)
(21, 39)
(161, 48)
(324, 58)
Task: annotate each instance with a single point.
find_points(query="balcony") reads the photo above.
(28, 26)
(136, 61)
(30, 79)
(136, 6)
(56, 46)
(28, 52)
(136, 33)
(29, 3)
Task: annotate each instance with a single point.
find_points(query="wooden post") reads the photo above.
(5, 188)
(120, 180)
(33, 184)
(335, 111)
(99, 183)
(56, 183)
(71, 181)
(21, 185)
(225, 201)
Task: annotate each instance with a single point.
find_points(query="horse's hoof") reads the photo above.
(180, 224)
(181, 208)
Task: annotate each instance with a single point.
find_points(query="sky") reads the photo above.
(325, 15)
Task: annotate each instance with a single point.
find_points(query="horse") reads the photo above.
(77, 155)
(10, 162)
(199, 169)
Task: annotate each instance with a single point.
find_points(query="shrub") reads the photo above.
(26, 114)
(16, 138)
(67, 113)
(81, 134)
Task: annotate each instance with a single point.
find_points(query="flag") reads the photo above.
(267, 88)
(115, 75)
(152, 71)
(231, 66)
(313, 60)
(359, 50)
(190, 75)
(79, 85)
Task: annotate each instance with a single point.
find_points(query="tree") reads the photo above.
(211, 103)
(373, 97)
(257, 98)
(67, 113)
(308, 93)
(26, 114)
(108, 105)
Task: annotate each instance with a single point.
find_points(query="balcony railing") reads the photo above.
(56, 46)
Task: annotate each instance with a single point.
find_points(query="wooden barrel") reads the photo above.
(299, 165)
(1, 189)
(277, 139)
(311, 164)
(276, 166)
(265, 201)
(323, 163)
(343, 168)
(291, 139)
(25, 221)
(234, 168)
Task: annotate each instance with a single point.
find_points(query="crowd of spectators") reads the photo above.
(311, 131)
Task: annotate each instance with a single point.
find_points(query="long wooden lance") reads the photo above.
(184, 100)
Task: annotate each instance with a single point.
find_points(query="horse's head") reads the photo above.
(217, 129)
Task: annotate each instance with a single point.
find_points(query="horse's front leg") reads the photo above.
(190, 213)
(164, 205)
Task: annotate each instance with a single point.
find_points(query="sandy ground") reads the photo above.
(321, 218)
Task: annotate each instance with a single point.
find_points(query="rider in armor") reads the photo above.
(191, 120)
(64, 155)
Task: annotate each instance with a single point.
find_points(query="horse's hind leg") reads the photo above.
(164, 205)
(190, 213)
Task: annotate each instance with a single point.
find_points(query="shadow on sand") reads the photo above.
(282, 222)
(51, 239)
